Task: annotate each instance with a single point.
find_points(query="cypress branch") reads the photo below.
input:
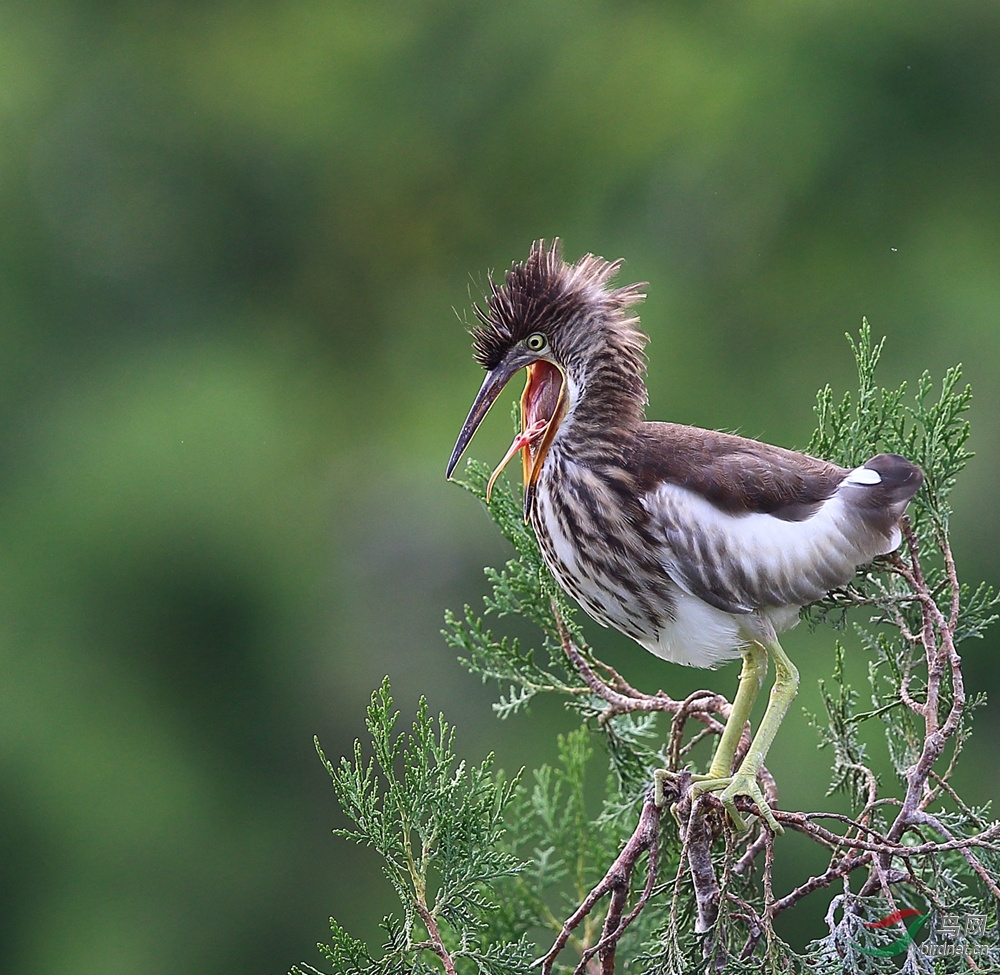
(491, 873)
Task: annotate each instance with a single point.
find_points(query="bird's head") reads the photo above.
(576, 339)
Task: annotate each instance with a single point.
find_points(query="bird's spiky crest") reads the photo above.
(544, 290)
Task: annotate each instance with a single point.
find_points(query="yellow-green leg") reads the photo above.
(751, 680)
(744, 781)
(720, 772)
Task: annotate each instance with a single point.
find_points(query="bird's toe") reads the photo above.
(743, 784)
(729, 789)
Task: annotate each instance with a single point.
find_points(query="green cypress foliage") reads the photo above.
(492, 873)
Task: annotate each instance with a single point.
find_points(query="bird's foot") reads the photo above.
(668, 787)
(661, 777)
(729, 787)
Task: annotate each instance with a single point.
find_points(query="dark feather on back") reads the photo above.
(739, 476)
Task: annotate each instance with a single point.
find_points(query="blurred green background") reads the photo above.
(233, 237)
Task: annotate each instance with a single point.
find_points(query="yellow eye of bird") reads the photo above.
(536, 341)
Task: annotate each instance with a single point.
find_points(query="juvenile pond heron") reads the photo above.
(699, 545)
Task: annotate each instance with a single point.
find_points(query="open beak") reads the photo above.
(543, 406)
(488, 393)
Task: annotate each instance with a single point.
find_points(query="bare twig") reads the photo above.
(436, 943)
(617, 883)
(622, 698)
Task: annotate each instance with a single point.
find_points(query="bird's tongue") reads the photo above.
(538, 405)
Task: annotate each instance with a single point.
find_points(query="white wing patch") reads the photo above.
(863, 475)
(756, 561)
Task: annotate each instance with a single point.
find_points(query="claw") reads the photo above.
(745, 785)
(729, 789)
(660, 776)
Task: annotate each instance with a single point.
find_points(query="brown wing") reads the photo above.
(737, 475)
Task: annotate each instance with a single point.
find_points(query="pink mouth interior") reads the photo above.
(542, 394)
(540, 401)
